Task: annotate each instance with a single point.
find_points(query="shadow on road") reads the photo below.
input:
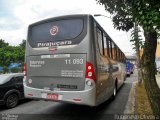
(105, 111)
(3, 107)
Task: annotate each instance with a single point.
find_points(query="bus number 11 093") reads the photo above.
(74, 61)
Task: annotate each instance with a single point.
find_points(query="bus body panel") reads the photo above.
(109, 72)
(85, 97)
(64, 71)
(104, 81)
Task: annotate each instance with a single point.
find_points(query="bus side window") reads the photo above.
(118, 55)
(114, 51)
(105, 46)
(100, 41)
(117, 50)
(121, 56)
(110, 48)
(108, 45)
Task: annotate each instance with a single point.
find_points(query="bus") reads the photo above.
(72, 59)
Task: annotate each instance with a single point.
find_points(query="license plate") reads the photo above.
(52, 96)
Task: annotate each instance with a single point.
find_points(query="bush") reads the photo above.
(15, 70)
(1, 71)
(5, 69)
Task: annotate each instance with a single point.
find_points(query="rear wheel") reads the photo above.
(128, 75)
(12, 100)
(114, 92)
(125, 77)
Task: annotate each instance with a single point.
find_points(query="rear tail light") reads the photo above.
(25, 69)
(90, 73)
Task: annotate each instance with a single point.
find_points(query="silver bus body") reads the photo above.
(65, 61)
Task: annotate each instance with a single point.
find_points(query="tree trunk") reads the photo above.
(137, 46)
(150, 83)
(139, 66)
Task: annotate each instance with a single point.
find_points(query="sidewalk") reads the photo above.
(131, 107)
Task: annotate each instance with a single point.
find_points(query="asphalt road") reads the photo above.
(41, 110)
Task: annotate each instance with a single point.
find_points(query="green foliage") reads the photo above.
(5, 69)
(3, 44)
(15, 70)
(1, 71)
(10, 54)
(136, 39)
(147, 13)
(121, 11)
(125, 12)
(23, 44)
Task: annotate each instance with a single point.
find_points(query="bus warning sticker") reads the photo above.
(72, 73)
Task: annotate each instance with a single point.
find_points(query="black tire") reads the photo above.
(125, 77)
(128, 75)
(12, 100)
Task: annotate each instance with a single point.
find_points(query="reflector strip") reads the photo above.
(77, 99)
(30, 94)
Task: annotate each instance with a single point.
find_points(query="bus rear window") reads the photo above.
(56, 33)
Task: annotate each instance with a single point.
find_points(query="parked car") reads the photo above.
(11, 89)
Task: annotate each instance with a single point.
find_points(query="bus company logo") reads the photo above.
(54, 30)
(58, 43)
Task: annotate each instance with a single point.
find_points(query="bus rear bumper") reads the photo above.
(86, 97)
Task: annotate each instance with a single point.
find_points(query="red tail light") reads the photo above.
(90, 71)
(25, 69)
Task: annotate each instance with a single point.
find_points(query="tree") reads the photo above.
(15, 70)
(138, 44)
(23, 44)
(22, 47)
(5, 69)
(10, 54)
(6, 55)
(3, 44)
(3, 59)
(147, 14)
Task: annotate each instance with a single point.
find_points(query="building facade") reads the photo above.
(158, 54)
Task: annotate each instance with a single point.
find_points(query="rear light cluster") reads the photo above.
(90, 71)
(25, 69)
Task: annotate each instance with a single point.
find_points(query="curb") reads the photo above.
(130, 106)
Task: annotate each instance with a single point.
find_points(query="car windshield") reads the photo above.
(3, 78)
